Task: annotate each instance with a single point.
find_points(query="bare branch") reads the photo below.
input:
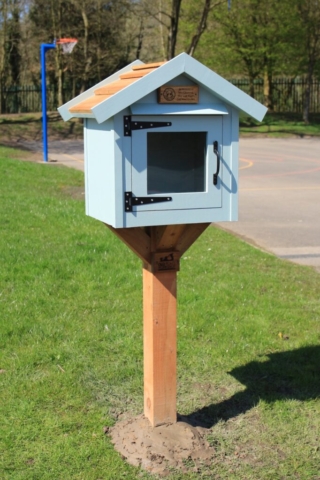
(202, 26)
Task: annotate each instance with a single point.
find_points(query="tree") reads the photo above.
(3, 50)
(50, 20)
(10, 42)
(309, 15)
(166, 14)
(255, 39)
(101, 32)
(13, 43)
(197, 17)
(191, 14)
(99, 27)
(173, 28)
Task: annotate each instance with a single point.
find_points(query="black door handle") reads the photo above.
(216, 151)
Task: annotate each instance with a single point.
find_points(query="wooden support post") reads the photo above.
(160, 249)
(160, 350)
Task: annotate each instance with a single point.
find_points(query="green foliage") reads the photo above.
(309, 32)
(71, 342)
(255, 36)
(254, 39)
(97, 25)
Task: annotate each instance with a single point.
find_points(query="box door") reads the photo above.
(177, 163)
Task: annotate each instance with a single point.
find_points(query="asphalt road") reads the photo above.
(279, 201)
(279, 194)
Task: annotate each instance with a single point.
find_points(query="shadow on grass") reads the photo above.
(20, 121)
(27, 118)
(291, 375)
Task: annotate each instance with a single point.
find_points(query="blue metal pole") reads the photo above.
(43, 49)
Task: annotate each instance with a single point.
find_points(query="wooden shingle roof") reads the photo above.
(106, 91)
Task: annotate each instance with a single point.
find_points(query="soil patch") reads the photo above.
(158, 450)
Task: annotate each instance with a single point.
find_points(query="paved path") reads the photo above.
(279, 204)
(279, 201)
(66, 152)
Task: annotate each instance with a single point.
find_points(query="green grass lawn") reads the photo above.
(71, 342)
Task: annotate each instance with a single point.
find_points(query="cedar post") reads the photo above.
(160, 249)
(160, 346)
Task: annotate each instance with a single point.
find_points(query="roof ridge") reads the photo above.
(148, 65)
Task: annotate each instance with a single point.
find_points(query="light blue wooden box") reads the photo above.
(124, 171)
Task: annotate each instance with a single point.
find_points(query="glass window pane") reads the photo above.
(176, 162)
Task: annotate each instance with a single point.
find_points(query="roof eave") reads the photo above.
(223, 89)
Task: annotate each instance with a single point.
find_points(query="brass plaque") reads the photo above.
(166, 261)
(174, 94)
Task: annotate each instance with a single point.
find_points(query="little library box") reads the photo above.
(161, 144)
(161, 164)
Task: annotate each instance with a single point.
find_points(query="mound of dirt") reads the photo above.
(160, 449)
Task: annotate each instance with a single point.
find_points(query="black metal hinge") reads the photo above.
(131, 201)
(129, 125)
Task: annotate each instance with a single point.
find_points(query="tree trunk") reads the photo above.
(201, 28)
(99, 41)
(140, 39)
(251, 86)
(311, 65)
(267, 89)
(161, 30)
(310, 16)
(56, 22)
(173, 29)
(14, 37)
(3, 56)
(307, 94)
(87, 59)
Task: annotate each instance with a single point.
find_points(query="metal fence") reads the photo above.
(287, 96)
(27, 99)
